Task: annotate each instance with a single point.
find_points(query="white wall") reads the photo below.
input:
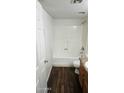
(67, 34)
(85, 35)
(44, 46)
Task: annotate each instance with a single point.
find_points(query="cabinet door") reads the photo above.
(85, 88)
(83, 78)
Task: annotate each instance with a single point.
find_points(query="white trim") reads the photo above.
(49, 73)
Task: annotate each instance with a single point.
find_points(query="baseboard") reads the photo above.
(49, 73)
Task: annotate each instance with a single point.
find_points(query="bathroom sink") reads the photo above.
(86, 65)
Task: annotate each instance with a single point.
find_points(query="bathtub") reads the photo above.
(64, 61)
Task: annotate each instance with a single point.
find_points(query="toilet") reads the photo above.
(76, 64)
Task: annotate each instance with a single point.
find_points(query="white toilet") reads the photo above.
(76, 64)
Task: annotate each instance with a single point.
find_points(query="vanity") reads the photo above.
(83, 77)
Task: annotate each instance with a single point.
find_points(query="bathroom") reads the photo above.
(51, 46)
(61, 38)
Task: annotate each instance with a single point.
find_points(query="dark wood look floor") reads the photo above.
(63, 80)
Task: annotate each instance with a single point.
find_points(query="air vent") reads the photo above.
(76, 1)
(81, 12)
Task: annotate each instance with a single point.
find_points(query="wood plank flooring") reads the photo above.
(63, 80)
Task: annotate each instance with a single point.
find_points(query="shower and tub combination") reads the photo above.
(65, 61)
(67, 41)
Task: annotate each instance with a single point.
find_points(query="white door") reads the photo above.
(40, 50)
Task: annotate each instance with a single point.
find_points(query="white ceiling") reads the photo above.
(65, 9)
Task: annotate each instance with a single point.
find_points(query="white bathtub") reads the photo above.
(64, 61)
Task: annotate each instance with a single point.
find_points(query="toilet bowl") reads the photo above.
(76, 64)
